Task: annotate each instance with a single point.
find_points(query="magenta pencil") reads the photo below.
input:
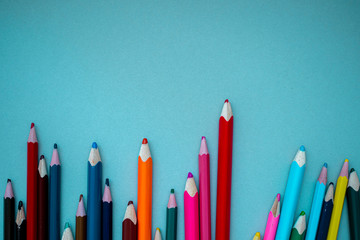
(204, 190)
(191, 209)
(273, 220)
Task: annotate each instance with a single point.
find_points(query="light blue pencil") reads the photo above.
(317, 204)
(94, 194)
(54, 194)
(291, 195)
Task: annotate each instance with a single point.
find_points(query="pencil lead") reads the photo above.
(227, 100)
(145, 141)
(302, 213)
(302, 148)
(107, 182)
(81, 197)
(130, 202)
(20, 205)
(94, 145)
(278, 196)
(9, 180)
(190, 175)
(352, 170)
(55, 145)
(42, 157)
(325, 165)
(172, 191)
(32, 125)
(67, 225)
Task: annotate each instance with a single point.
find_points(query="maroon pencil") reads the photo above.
(42, 225)
(129, 224)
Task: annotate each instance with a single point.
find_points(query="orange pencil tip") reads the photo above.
(145, 141)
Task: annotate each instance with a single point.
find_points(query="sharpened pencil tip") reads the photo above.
(302, 213)
(346, 160)
(32, 125)
(278, 196)
(227, 100)
(158, 229)
(352, 170)
(202, 138)
(107, 182)
(302, 148)
(94, 145)
(81, 197)
(67, 225)
(172, 191)
(145, 141)
(190, 175)
(9, 180)
(331, 183)
(130, 202)
(20, 205)
(325, 165)
(257, 234)
(42, 157)
(55, 146)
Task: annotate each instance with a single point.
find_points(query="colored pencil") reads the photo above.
(317, 202)
(107, 212)
(204, 191)
(67, 234)
(129, 224)
(325, 215)
(340, 192)
(31, 197)
(80, 232)
(20, 223)
(9, 212)
(94, 194)
(257, 236)
(144, 191)
(291, 196)
(273, 220)
(298, 231)
(54, 202)
(171, 217)
(43, 214)
(223, 203)
(157, 234)
(191, 209)
(353, 200)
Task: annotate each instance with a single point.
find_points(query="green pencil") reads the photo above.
(353, 200)
(298, 231)
(171, 217)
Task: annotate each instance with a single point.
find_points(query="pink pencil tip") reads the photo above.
(190, 175)
(32, 125)
(145, 141)
(227, 100)
(203, 147)
(203, 138)
(278, 196)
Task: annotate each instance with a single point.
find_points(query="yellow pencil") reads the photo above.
(340, 191)
(257, 236)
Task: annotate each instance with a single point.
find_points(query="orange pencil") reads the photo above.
(144, 192)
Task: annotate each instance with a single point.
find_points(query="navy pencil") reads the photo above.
(54, 201)
(94, 194)
(326, 211)
(107, 213)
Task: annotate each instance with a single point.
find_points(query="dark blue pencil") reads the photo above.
(326, 211)
(54, 201)
(94, 194)
(107, 213)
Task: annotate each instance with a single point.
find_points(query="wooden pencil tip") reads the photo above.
(145, 141)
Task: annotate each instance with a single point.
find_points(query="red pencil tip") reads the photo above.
(81, 197)
(32, 125)
(227, 100)
(144, 141)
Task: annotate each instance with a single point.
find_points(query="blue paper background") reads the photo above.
(115, 72)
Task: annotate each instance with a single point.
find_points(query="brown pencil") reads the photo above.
(129, 224)
(42, 225)
(80, 232)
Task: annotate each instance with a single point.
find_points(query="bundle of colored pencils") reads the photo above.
(43, 199)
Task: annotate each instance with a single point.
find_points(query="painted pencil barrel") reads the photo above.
(54, 203)
(43, 208)
(191, 208)
(353, 200)
(107, 213)
(171, 223)
(94, 202)
(80, 232)
(325, 215)
(9, 212)
(290, 201)
(271, 227)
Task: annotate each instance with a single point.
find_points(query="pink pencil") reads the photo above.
(191, 209)
(273, 220)
(204, 187)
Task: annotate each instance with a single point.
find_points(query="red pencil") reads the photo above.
(223, 202)
(31, 197)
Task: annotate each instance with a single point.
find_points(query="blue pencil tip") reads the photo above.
(107, 182)
(325, 165)
(55, 145)
(94, 145)
(302, 148)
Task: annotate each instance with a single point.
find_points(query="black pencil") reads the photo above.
(9, 212)
(20, 223)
